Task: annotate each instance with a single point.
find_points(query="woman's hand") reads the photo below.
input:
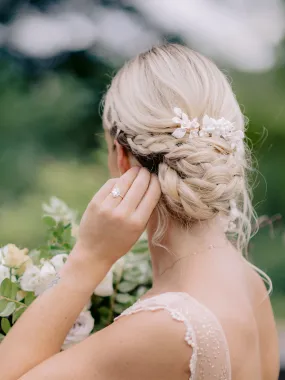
(111, 225)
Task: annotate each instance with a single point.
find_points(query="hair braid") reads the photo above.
(200, 177)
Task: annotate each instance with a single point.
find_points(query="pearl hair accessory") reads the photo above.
(210, 127)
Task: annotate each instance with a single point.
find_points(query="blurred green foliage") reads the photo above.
(46, 113)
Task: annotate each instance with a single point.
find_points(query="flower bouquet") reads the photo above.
(25, 275)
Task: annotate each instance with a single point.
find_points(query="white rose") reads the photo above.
(13, 257)
(80, 330)
(105, 288)
(30, 278)
(4, 273)
(38, 279)
(59, 260)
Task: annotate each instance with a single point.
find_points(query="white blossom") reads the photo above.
(185, 124)
(37, 279)
(210, 127)
(59, 211)
(59, 260)
(80, 330)
(14, 257)
(4, 273)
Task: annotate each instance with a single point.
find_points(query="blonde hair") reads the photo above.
(200, 177)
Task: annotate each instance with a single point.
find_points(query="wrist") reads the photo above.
(84, 270)
(94, 256)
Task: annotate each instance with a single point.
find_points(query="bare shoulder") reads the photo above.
(246, 315)
(266, 326)
(148, 345)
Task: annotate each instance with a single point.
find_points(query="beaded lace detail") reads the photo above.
(210, 357)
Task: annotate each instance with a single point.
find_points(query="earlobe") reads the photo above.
(123, 161)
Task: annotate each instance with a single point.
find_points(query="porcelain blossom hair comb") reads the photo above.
(209, 128)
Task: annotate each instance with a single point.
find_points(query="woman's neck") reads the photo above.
(181, 249)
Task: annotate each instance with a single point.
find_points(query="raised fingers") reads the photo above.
(149, 201)
(136, 192)
(105, 190)
(123, 185)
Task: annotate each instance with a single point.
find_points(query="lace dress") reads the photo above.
(210, 354)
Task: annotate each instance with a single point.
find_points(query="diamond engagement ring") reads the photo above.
(116, 192)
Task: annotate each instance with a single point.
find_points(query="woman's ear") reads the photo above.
(123, 160)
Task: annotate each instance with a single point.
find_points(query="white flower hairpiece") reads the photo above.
(210, 127)
(185, 124)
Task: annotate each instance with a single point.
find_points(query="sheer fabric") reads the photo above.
(210, 358)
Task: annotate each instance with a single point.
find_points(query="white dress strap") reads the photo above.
(210, 354)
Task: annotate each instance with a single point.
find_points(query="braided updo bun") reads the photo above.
(200, 177)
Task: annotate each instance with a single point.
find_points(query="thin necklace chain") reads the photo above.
(210, 247)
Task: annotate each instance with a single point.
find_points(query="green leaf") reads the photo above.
(1, 337)
(3, 304)
(132, 275)
(30, 297)
(9, 309)
(8, 289)
(56, 251)
(67, 247)
(96, 300)
(140, 247)
(118, 308)
(5, 325)
(126, 286)
(105, 315)
(5, 287)
(14, 291)
(55, 247)
(99, 326)
(59, 230)
(49, 221)
(104, 311)
(141, 291)
(66, 236)
(125, 298)
(17, 314)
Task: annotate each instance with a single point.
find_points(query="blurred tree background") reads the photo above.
(56, 60)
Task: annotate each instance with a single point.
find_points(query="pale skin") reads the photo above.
(145, 345)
